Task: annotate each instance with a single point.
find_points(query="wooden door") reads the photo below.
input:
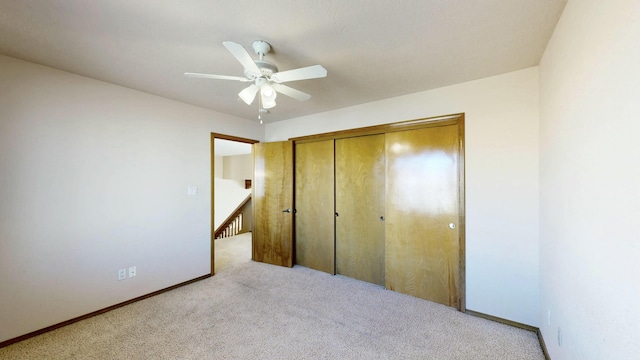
(422, 224)
(272, 196)
(360, 208)
(314, 194)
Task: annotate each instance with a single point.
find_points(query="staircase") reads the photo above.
(234, 224)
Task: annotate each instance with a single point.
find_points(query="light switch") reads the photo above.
(192, 190)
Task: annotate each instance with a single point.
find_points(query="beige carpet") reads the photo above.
(256, 311)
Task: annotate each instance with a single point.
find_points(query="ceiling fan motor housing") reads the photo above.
(266, 68)
(261, 48)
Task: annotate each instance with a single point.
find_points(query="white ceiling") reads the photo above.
(222, 147)
(372, 49)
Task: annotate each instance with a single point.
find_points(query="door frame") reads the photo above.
(452, 119)
(215, 136)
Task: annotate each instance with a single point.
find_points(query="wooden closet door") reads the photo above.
(359, 207)
(422, 240)
(272, 197)
(314, 195)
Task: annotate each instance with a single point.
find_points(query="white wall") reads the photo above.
(93, 178)
(590, 176)
(501, 179)
(230, 174)
(228, 196)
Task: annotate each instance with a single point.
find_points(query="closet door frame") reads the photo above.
(453, 119)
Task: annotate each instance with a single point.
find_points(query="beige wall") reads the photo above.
(238, 168)
(93, 178)
(590, 182)
(501, 179)
(231, 171)
(219, 167)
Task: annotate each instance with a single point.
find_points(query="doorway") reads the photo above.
(231, 180)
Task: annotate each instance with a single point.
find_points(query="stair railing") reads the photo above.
(232, 224)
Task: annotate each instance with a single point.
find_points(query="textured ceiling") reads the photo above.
(371, 49)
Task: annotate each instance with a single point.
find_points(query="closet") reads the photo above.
(422, 247)
(359, 177)
(385, 205)
(314, 203)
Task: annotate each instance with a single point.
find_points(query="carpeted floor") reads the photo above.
(251, 310)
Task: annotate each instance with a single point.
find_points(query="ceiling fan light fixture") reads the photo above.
(248, 94)
(269, 104)
(268, 96)
(248, 100)
(268, 92)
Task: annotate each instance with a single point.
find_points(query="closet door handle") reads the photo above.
(382, 217)
(287, 210)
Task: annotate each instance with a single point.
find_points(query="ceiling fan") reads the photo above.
(264, 76)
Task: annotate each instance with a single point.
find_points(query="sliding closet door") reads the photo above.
(314, 193)
(360, 208)
(272, 197)
(422, 240)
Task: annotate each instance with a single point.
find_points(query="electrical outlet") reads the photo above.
(132, 271)
(122, 274)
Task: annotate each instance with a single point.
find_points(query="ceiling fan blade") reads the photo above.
(249, 93)
(212, 76)
(243, 56)
(309, 72)
(291, 92)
